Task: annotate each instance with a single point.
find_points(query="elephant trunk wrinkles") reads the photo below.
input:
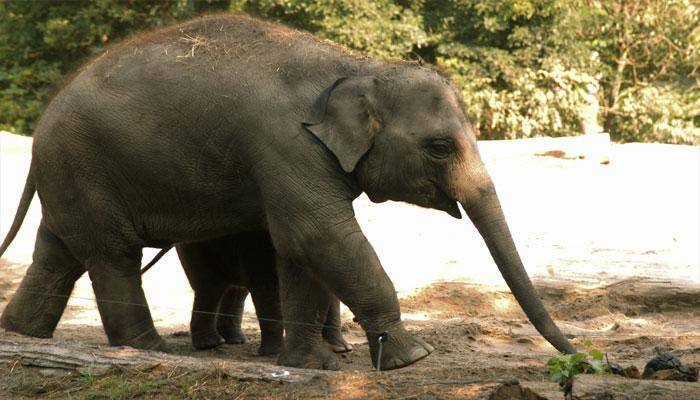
(484, 209)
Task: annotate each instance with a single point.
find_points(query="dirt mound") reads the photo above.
(630, 297)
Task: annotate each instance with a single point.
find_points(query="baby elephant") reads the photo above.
(221, 272)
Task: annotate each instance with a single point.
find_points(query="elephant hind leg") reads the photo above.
(125, 315)
(38, 304)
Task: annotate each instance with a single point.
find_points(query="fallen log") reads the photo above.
(92, 359)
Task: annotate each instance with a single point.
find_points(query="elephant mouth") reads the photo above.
(446, 203)
(376, 198)
(434, 198)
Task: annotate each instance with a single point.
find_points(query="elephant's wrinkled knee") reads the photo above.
(48, 275)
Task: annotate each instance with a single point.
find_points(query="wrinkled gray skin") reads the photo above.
(221, 272)
(228, 124)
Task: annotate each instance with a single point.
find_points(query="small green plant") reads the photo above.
(564, 367)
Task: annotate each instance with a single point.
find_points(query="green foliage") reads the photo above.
(375, 28)
(564, 367)
(650, 58)
(525, 67)
(657, 113)
(547, 100)
(520, 70)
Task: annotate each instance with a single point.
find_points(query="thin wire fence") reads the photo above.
(583, 335)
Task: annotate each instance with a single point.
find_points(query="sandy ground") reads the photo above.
(612, 248)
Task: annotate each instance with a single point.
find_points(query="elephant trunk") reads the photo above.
(484, 209)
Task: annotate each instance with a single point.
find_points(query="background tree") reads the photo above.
(521, 71)
(517, 63)
(650, 55)
(379, 28)
(525, 67)
(42, 42)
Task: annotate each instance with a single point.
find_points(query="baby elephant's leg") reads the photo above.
(257, 262)
(305, 307)
(267, 307)
(331, 329)
(199, 264)
(203, 326)
(228, 319)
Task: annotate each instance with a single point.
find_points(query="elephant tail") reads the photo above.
(24, 202)
(155, 259)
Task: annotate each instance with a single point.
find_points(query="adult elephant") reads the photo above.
(229, 124)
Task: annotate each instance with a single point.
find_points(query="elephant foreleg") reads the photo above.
(331, 329)
(228, 319)
(257, 261)
(200, 261)
(336, 253)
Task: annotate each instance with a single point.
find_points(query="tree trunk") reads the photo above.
(619, 77)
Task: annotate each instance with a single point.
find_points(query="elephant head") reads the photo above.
(403, 134)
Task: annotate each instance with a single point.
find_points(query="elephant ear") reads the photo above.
(348, 123)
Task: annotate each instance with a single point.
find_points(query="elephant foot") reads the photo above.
(206, 341)
(270, 348)
(37, 305)
(316, 357)
(272, 339)
(36, 328)
(148, 340)
(399, 349)
(335, 340)
(232, 335)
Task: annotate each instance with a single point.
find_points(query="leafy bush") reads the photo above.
(535, 102)
(564, 367)
(657, 113)
(519, 67)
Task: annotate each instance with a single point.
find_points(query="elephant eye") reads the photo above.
(439, 148)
